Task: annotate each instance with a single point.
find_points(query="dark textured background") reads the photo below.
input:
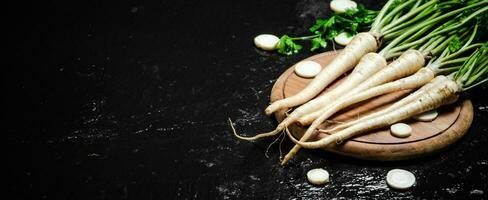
(129, 100)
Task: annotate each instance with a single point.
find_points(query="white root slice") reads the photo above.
(318, 176)
(308, 69)
(400, 179)
(340, 6)
(426, 116)
(401, 130)
(343, 38)
(266, 42)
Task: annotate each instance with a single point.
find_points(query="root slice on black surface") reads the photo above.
(318, 176)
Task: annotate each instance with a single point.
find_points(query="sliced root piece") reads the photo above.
(401, 130)
(400, 179)
(318, 176)
(340, 6)
(426, 116)
(343, 38)
(307, 69)
(266, 42)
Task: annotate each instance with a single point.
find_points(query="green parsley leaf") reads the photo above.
(317, 43)
(287, 46)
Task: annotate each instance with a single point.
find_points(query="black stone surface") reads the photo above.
(130, 99)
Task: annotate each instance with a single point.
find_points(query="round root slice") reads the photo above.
(318, 176)
(307, 69)
(340, 6)
(426, 116)
(343, 39)
(400, 179)
(400, 130)
(266, 42)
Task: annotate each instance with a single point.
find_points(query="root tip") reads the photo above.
(269, 110)
(285, 161)
(253, 138)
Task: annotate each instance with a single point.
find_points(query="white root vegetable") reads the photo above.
(396, 105)
(426, 116)
(422, 77)
(307, 69)
(367, 66)
(401, 130)
(361, 44)
(400, 179)
(343, 38)
(266, 42)
(442, 94)
(318, 176)
(408, 63)
(340, 6)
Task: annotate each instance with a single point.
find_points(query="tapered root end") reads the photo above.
(290, 154)
(262, 135)
(285, 160)
(271, 109)
(276, 106)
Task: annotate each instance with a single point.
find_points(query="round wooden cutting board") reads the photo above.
(427, 137)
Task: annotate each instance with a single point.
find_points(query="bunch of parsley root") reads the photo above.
(434, 48)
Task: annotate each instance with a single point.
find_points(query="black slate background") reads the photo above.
(129, 100)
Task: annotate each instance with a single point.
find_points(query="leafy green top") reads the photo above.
(323, 30)
(474, 70)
